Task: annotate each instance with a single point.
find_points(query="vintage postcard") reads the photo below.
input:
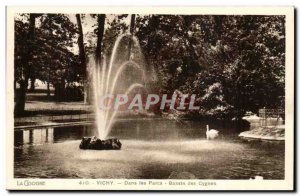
(150, 98)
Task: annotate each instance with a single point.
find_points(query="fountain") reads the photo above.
(124, 74)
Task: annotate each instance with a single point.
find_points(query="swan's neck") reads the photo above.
(207, 128)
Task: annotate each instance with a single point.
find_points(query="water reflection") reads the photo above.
(145, 130)
(34, 136)
(254, 123)
(50, 135)
(151, 149)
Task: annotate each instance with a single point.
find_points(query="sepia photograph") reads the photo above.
(150, 99)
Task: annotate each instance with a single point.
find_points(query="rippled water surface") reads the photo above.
(152, 149)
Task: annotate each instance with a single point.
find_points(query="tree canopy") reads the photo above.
(233, 63)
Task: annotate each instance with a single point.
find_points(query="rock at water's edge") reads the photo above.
(94, 143)
(265, 133)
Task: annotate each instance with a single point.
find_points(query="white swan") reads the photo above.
(211, 134)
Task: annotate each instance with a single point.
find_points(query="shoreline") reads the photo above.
(267, 133)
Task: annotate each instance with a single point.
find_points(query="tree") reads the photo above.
(56, 64)
(243, 54)
(114, 28)
(82, 57)
(25, 59)
(100, 33)
(131, 30)
(52, 61)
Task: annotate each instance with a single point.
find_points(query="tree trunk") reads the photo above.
(21, 98)
(82, 58)
(20, 94)
(32, 84)
(131, 30)
(132, 21)
(59, 91)
(98, 51)
(48, 89)
(100, 32)
(48, 85)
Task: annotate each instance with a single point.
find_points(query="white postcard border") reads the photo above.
(119, 184)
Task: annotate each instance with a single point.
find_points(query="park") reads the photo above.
(133, 96)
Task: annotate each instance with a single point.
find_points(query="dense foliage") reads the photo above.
(233, 63)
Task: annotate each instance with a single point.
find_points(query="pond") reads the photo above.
(151, 149)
